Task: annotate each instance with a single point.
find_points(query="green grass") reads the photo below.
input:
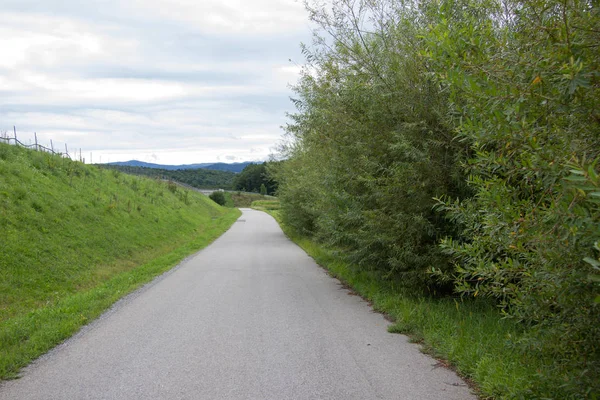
(266, 205)
(468, 335)
(244, 199)
(228, 200)
(75, 238)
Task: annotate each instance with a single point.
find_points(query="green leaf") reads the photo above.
(573, 178)
(592, 262)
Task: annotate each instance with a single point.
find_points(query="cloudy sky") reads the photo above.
(167, 81)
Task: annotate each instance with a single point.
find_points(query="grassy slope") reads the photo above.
(75, 238)
(468, 335)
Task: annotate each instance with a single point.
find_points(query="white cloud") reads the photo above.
(36, 41)
(180, 80)
(232, 17)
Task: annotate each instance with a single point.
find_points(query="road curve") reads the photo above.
(249, 317)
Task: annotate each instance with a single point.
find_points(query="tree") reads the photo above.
(252, 177)
(524, 89)
(369, 147)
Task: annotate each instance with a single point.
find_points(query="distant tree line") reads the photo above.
(254, 178)
(199, 178)
(453, 146)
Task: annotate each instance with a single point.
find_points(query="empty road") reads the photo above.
(249, 317)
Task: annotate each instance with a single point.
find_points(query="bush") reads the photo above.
(490, 106)
(369, 146)
(172, 186)
(218, 197)
(524, 94)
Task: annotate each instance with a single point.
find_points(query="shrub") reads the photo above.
(172, 186)
(218, 197)
(370, 147)
(524, 94)
(490, 106)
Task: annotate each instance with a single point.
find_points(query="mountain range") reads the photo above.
(232, 167)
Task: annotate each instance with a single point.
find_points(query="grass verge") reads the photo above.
(75, 238)
(26, 337)
(244, 199)
(467, 335)
(266, 205)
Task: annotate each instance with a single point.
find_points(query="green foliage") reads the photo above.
(75, 238)
(198, 178)
(228, 200)
(470, 122)
(218, 197)
(253, 178)
(524, 89)
(297, 193)
(471, 335)
(172, 186)
(369, 150)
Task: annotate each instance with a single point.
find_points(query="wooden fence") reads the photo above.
(37, 146)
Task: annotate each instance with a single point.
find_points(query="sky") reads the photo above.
(163, 81)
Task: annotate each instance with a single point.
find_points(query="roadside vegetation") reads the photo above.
(243, 199)
(444, 156)
(466, 335)
(76, 238)
(270, 206)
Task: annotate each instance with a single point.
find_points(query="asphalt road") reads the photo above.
(249, 317)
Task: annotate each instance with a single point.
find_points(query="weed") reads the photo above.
(172, 186)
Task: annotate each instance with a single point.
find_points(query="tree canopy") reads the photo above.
(253, 178)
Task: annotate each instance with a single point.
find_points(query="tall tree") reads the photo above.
(253, 177)
(371, 135)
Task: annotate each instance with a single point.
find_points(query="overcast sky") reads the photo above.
(167, 81)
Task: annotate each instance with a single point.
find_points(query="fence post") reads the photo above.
(52, 146)
(67, 151)
(36, 144)
(15, 131)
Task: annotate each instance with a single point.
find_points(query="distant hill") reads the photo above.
(232, 167)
